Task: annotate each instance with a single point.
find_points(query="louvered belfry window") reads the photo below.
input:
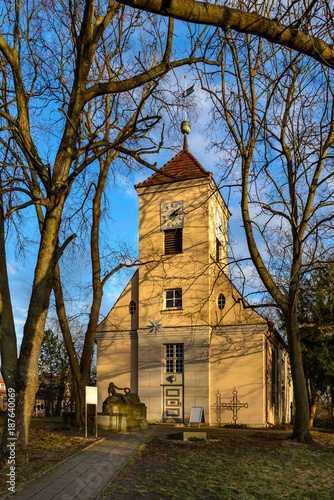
(173, 241)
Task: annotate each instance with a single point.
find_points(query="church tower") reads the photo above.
(179, 331)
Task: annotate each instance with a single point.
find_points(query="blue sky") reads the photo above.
(124, 223)
(123, 197)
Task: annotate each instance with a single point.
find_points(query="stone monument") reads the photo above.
(122, 411)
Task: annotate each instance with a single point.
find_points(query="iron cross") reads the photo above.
(234, 405)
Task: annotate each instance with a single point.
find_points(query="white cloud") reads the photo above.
(19, 322)
(14, 268)
(136, 239)
(11, 270)
(130, 192)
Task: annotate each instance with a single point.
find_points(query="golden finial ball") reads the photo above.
(185, 127)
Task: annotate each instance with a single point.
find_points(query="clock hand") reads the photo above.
(174, 214)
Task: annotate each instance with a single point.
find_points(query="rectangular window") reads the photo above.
(173, 241)
(218, 250)
(273, 377)
(174, 358)
(169, 366)
(173, 299)
(169, 351)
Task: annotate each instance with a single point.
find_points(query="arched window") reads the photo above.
(132, 307)
(221, 301)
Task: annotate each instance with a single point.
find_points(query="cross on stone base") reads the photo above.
(234, 405)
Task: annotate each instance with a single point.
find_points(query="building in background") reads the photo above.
(3, 395)
(54, 397)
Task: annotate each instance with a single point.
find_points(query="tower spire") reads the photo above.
(185, 125)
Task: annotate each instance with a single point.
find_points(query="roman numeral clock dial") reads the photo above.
(171, 215)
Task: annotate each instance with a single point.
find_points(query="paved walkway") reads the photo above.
(86, 475)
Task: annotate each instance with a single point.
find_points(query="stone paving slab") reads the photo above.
(86, 475)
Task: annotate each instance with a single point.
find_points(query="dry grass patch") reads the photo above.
(259, 465)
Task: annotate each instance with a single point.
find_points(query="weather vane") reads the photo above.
(185, 95)
(185, 125)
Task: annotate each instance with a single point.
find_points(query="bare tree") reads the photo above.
(57, 63)
(278, 111)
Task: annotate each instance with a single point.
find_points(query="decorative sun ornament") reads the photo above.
(155, 326)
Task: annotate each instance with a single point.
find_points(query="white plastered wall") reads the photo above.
(237, 362)
(195, 378)
(114, 362)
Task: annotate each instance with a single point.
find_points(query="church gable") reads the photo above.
(124, 314)
(227, 306)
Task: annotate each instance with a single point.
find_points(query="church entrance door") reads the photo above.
(172, 384)
(173, 403)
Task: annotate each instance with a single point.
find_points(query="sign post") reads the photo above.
(90, 399)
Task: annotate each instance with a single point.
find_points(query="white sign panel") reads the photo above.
(91, 395)
(196, 415)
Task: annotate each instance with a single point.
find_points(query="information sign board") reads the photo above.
(91, 399)
(91, 395)
(196, 415)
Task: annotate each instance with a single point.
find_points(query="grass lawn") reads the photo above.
(231, 464)
(50, 443)
(252, 465)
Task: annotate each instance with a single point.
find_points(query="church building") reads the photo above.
(181, 335)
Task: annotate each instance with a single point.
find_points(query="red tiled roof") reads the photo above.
(2, 391)
(182, 167)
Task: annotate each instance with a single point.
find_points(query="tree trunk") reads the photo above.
(8, 347)
(301, 431)
(60, 394)
(81, 372)
(79, 398)
(77, 392)
(332, 407)
(313, 408)
(27, 372)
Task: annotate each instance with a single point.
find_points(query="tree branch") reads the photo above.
(242, 22)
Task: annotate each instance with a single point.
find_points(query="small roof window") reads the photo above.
(221, 301)
(132, 307)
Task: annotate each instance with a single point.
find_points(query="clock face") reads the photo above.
(219, 227)
(171, 215)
